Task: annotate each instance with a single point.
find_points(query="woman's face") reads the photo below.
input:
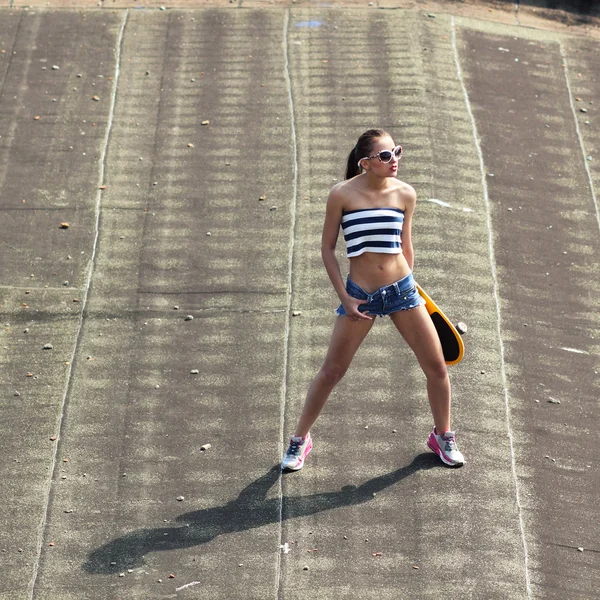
(375, 165)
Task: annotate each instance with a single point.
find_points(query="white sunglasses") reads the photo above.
(384, 156)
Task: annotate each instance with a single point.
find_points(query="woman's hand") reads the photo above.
(351, 309)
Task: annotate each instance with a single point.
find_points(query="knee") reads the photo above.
(330, 375)
(436, 370)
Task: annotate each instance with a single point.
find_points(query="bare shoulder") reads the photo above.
(406, 194)
(339, 193)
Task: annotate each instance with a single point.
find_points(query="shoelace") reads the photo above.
(294, 448)
(450, 443)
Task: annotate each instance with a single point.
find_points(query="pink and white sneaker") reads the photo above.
(445, 447)
(294, 457)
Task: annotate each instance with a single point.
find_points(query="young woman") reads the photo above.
(375, 212)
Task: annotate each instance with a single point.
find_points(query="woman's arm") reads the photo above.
(409, 197)
(331, 230)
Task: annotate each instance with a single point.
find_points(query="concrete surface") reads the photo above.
(191, 151)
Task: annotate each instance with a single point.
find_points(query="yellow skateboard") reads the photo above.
(452, 343)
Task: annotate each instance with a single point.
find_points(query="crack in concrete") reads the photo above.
(286, 347)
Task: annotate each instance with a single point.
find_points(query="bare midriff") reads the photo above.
(372, 270)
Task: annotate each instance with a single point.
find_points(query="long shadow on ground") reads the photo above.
(249, 510)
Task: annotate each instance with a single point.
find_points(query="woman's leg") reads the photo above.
(418, 330)
(345, 340)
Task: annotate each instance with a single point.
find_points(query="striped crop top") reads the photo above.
(373, 230)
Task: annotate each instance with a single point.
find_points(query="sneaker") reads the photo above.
(445, 447)
(296, 453)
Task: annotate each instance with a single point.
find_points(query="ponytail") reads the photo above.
(361, 150)
(352, 168)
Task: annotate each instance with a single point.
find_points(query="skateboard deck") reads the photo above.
(452, 343)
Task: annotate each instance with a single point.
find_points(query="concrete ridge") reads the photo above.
(496, 294)
(86, 289)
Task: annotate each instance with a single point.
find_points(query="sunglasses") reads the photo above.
(384, 156)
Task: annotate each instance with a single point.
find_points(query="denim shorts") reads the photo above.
(400, 295)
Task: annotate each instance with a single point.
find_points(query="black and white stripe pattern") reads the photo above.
(373, 230)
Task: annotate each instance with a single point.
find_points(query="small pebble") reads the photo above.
(296, 313)
(194, 372)
(180, 498)
(48, 347)
(273, 208)
(461, 327)
(55, 67)
(305, 568)
(580, 549)
(189, 318)
(205, 447)
(121, 574)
